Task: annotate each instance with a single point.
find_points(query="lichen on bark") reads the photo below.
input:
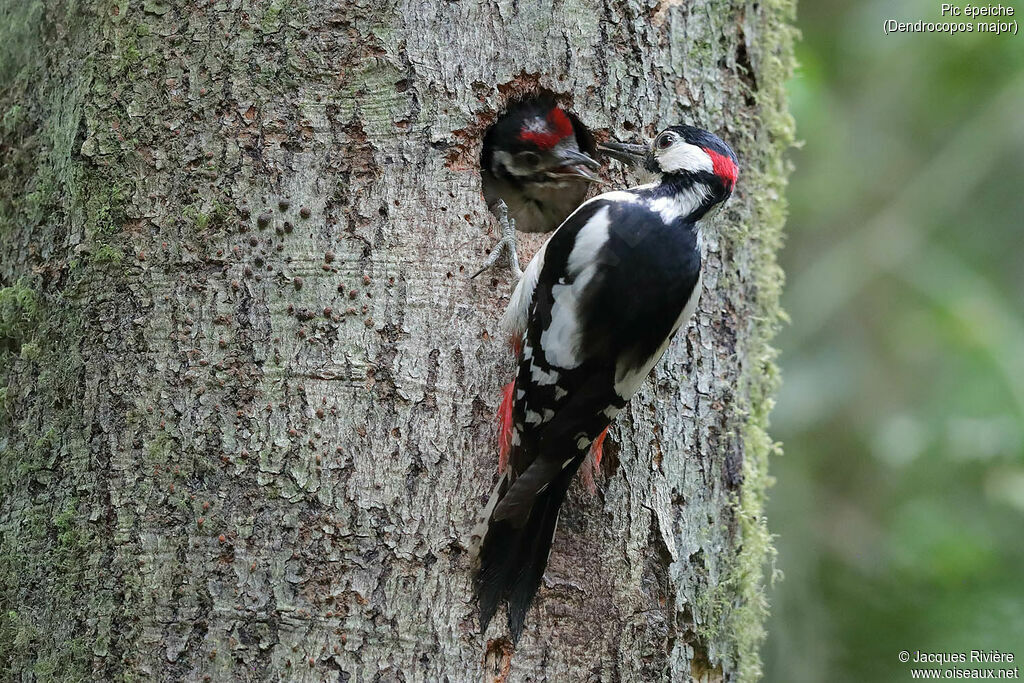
(246, 400)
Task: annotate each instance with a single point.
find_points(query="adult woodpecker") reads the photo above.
(533, 169)
(593, 313)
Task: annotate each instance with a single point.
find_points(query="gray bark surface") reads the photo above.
(247, 391)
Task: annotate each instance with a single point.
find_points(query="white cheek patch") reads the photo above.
(683, 156)
(504, 159)
(501, 158)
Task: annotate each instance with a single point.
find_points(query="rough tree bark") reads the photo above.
(246, 390)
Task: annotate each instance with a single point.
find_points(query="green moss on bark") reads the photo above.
(772, 56)
(19, 316)
(48, 547)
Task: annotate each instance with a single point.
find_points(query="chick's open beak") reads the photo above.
(627, 153)
(575, 165)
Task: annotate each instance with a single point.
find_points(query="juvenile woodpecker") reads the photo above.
(592, 314)
(534, 171)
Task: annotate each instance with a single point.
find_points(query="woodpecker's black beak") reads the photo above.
(574, 165)
(634, 155)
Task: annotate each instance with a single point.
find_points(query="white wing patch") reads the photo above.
(515, 318)
(589, 241)
(562, 337)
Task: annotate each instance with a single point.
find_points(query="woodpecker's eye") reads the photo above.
(528, 159)
(665, 140)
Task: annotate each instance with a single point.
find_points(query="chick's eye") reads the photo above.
(528, 159)
(665, 141)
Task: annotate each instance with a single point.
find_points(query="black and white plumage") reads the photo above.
(534, 170)
(595, 310)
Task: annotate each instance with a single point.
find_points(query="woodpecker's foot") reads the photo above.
(507, 243)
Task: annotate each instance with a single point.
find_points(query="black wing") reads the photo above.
(627, 303)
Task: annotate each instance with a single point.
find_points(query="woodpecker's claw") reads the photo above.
(507, 243)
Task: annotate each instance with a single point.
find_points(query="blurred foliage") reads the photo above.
(899, 503)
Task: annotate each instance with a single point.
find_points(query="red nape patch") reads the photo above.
(505, 425)
(558, 127)
(724, 167)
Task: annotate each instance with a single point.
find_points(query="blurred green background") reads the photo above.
(899, 503)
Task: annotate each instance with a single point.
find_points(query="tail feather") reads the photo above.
(497, 561)
(528, 580)
(513, 558)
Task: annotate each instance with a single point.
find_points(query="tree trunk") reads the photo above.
(247, 390)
